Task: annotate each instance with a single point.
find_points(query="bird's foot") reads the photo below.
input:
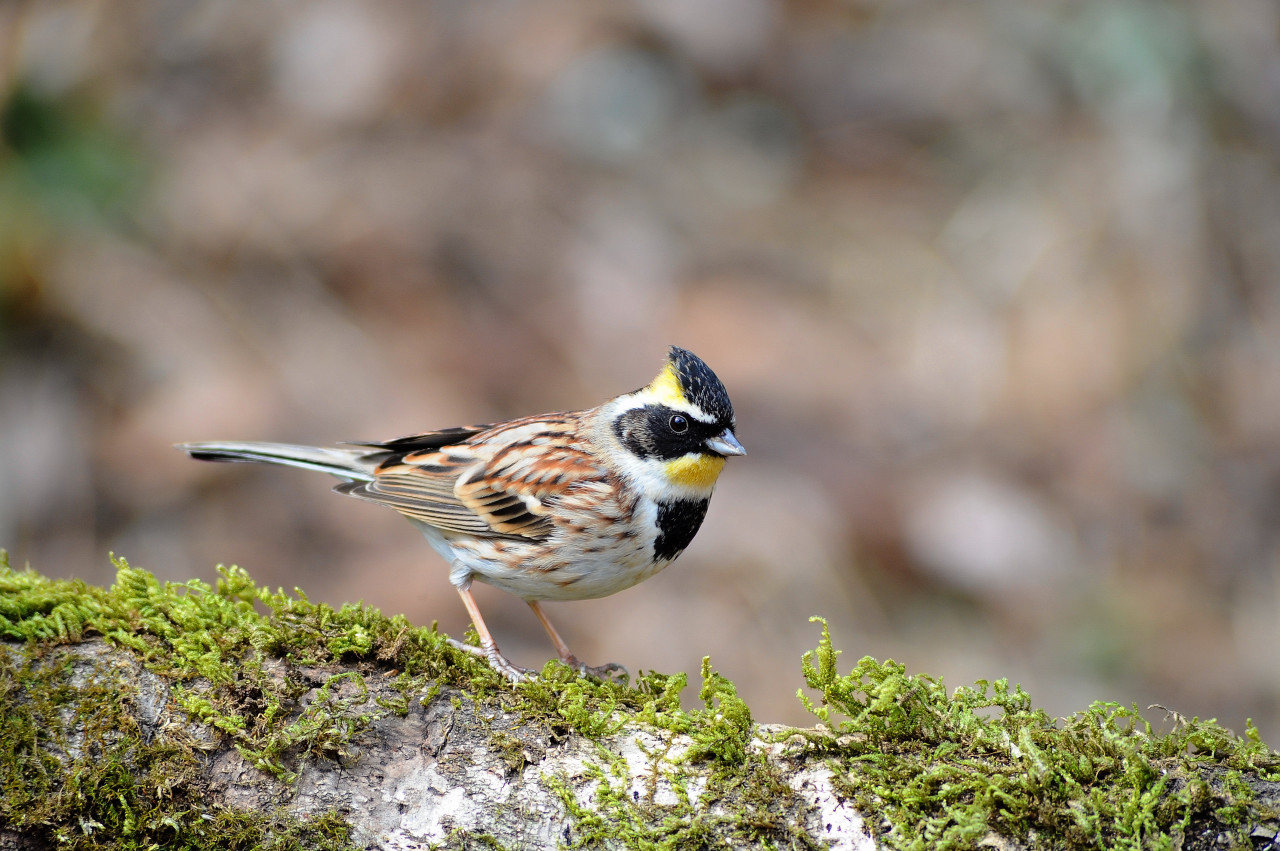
(500, 663)
(608, 672)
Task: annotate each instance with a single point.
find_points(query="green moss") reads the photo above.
(99, 782)
(945, 768)
(465, 840)
(220, 648)
(616, 816)
(284, 680)
(743, 798)
(218, 651)
(726, 728)
(221, 657)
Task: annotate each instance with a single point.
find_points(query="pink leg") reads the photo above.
(488, 647)
(604, 672)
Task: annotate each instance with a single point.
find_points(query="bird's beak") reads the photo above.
(725, 443)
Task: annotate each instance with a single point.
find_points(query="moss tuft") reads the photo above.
(726, 728)
(103, 781)
(944, 769)
(744, 799)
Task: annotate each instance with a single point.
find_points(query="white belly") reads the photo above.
(541, 572)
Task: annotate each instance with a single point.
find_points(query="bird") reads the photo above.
(573, 505)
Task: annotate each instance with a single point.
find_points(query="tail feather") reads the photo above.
(350, 464)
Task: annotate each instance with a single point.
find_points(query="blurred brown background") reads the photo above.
(995, 287)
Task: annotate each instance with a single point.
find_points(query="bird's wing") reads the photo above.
(495, 483)
(426, 439)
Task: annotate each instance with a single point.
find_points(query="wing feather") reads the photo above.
(494, 482)
(427, 439)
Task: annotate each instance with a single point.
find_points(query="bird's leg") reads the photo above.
(488, 647)
(603, 672)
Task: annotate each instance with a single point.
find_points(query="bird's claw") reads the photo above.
(504, 666)
(609, 672)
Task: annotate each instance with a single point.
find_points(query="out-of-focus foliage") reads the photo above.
(62, 170)
(993, 286)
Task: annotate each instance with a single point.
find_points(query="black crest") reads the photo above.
(700, 385)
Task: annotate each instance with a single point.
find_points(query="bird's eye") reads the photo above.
(679, 424)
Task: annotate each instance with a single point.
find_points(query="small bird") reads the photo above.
(563, 506)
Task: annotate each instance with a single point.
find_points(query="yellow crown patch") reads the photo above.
(666, 387)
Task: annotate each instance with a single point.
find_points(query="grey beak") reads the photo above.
(725, 443)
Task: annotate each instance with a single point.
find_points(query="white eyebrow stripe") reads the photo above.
(645, 399)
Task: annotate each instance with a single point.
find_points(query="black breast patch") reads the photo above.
(678, 522)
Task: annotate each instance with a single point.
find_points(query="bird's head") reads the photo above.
(678, 429)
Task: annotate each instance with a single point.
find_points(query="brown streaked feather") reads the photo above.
(412, 505)
(492, 483)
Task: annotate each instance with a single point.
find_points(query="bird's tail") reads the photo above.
(350, 464)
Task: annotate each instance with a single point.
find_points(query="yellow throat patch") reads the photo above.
(694, 471)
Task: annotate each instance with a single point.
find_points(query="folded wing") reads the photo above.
(493, 483)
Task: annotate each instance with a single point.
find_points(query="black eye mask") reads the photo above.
(648, 433)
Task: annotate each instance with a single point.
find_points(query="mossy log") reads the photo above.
(155, 715)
